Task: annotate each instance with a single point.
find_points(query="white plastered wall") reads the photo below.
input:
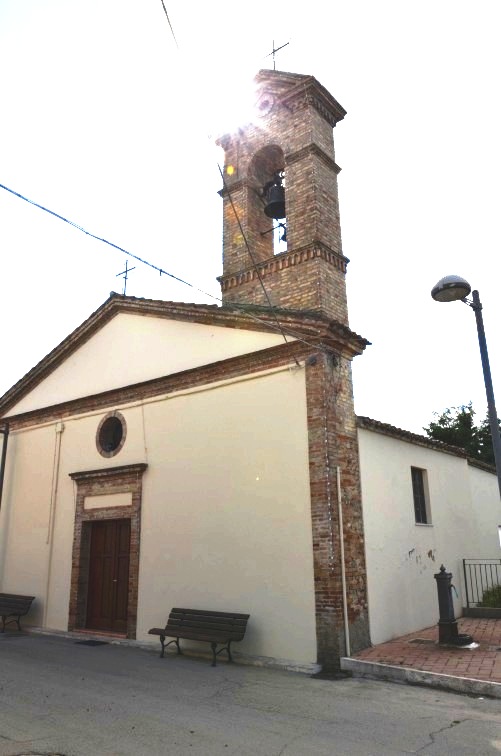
(121, 345)
(402, 557)
(38, 508)
(226, 520)
(24, 516)
(226, 514)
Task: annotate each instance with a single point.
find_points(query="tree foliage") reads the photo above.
(456, 426)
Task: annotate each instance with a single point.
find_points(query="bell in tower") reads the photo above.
(274, 198)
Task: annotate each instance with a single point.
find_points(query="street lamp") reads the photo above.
(450, 289)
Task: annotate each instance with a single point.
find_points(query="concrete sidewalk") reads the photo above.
(417, 658)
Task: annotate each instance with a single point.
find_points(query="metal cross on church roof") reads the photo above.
(125, 274)
(275, 50)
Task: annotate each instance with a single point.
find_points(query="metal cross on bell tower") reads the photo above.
(275, 50)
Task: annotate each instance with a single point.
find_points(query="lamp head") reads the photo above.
(450, 288)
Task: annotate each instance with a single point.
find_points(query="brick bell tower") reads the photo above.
(292, 137)
(285, 159)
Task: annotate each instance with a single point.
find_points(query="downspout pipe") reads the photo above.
(343, 564)
(5, 432)
(52, 515)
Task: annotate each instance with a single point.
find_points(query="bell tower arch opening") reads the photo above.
(267, 206)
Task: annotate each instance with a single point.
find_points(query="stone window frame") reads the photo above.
(114, 452)
(112, 480)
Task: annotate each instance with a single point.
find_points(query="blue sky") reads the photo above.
(107, 122)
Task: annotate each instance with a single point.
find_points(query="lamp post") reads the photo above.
(450, 289)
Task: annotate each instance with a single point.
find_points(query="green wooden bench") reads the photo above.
(13, 606)
(216, 628)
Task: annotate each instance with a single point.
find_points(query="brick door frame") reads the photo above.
(112, 480)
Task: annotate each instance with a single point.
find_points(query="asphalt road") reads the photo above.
(59, 697)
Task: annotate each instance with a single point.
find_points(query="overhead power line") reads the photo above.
(101, 239)
(170, 25)
(228, 191)
(242, 308)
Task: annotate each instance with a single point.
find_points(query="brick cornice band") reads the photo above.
(312, 149)
(109, 472)
(284, 260)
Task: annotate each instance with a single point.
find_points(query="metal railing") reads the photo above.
(479, 576)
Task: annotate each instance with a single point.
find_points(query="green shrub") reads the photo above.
(492, 597)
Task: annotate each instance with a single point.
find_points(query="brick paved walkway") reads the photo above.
(420, 650)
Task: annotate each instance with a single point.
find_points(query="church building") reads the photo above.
(222, 466)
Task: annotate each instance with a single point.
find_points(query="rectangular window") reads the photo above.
(420, 494)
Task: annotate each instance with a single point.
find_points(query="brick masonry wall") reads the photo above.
(332, 443)
(311, 278)
(295, 137)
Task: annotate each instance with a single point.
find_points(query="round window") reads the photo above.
(111, 434)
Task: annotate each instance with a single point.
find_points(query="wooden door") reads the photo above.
(107, 597)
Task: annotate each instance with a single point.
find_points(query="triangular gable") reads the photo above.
(129, 341)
